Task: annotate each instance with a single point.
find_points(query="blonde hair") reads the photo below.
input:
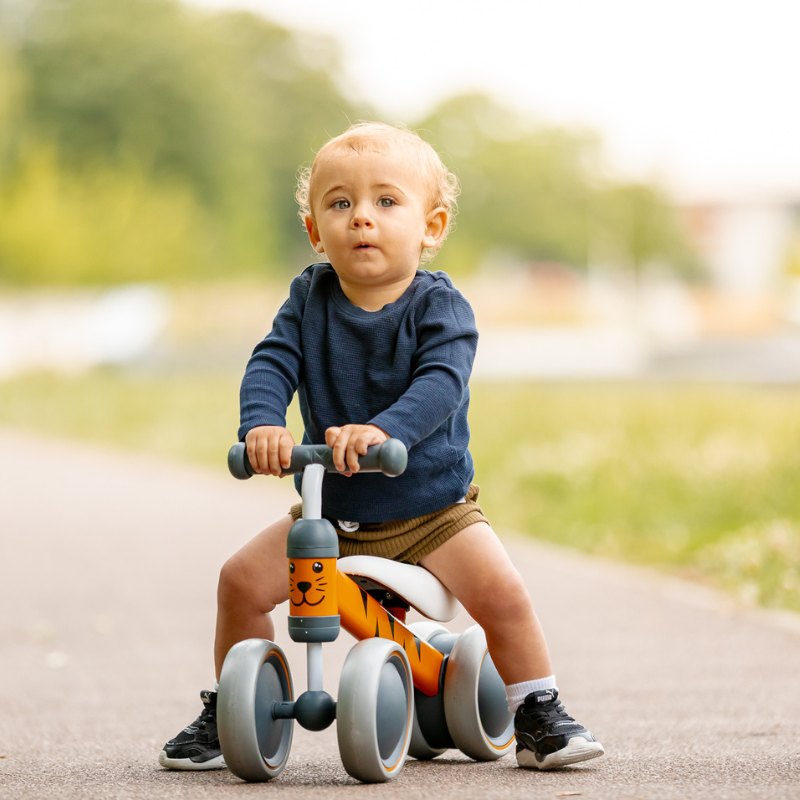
(378, 137)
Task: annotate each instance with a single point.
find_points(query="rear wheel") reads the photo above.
(475, 703)
(428, 712)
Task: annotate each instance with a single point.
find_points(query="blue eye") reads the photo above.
(386, 202)
(340, 204)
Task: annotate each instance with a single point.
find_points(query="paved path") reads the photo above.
(107, 578)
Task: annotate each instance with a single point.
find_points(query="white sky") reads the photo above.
(704, 94)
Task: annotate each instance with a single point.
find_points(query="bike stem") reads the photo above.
(312, 549)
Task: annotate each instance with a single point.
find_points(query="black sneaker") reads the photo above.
(196, 747)
(547, 737)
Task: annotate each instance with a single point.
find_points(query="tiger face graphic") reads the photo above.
(312, 587)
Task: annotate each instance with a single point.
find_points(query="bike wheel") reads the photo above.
(475, 703)
(374, 710)
(420, 748)
(254, 677)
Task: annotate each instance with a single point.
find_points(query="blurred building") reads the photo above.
(549, 321)
(71, 331)
(746, 242)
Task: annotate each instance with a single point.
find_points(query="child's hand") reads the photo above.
(269, 448)
(351, 441)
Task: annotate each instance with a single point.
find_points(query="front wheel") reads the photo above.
(254, 677)
(374, 710)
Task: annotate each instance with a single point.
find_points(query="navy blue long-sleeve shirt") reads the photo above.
(404, 368)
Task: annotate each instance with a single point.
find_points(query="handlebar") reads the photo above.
(389, 457)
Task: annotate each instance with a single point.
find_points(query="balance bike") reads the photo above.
(415, 689)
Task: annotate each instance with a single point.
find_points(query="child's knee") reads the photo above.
(233, 579)
(241, 587)
(507, 603)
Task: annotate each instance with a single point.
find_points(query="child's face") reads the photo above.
(371, 217)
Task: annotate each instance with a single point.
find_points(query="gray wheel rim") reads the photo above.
(492, 703)
(475, 705)
(272, 734)
(392, 711)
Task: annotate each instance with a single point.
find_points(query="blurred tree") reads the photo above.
(524, 191)
(128, 81)
(282, 85)
(538, 193)
(638, 228)
(176, 133)
(10, 98)
(106, 225)
(224, 105)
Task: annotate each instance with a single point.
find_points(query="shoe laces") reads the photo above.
(550, 711)
(208, 716)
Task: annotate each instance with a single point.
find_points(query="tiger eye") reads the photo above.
(317, 567)
(291, 566)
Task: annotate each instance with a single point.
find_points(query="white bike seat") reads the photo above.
(419, 588)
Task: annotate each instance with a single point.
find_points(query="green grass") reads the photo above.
(703, 480)
(698, 480)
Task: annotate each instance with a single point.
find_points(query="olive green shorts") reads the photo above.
(407, 540)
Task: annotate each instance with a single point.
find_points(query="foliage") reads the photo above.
(699, 480)
(216, 109)
(539, 193)
(672, 476)
(210, 114)
(760, 563)
(107, 224)
(10, 90)
(525, 191)
(636, 225)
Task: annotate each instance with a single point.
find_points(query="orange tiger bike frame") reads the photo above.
(322, 598)
(363, 617)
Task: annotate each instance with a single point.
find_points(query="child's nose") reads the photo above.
(361, 217)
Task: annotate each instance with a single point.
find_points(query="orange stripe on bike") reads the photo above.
(363, 617)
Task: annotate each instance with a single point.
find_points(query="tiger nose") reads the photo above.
(304, 586)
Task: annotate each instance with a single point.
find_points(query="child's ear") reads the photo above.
(435, 226)
(313, 234)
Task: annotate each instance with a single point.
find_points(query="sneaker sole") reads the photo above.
(577, 750)
(188, 764)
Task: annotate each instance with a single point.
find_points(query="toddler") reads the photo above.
(377, 348)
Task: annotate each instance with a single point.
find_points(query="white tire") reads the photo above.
(254, 677)
(374, 711)
(475, 703)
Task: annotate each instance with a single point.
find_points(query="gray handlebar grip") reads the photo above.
(389, 457)
(239, 463)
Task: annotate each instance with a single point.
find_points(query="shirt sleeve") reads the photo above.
(447, 340)
(273, 371)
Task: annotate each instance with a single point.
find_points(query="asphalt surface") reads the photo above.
(108, 573)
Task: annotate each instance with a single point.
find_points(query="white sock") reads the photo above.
(216, 686)
(517, 692)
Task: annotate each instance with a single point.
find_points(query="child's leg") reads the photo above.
(251, 583)
(477, 570)
(475, 567)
